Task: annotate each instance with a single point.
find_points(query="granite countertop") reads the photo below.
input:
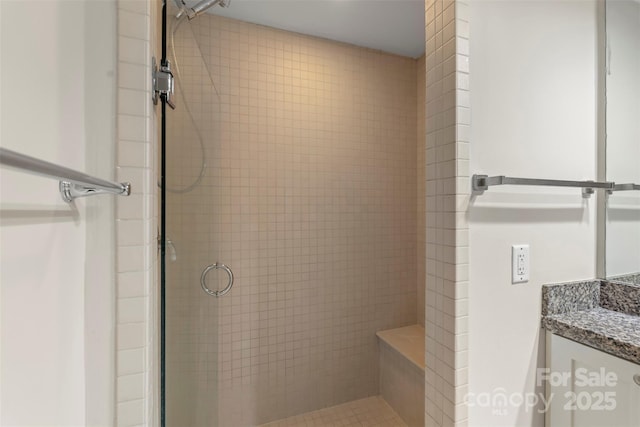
(601, 314)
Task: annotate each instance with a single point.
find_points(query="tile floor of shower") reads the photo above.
(368, 412)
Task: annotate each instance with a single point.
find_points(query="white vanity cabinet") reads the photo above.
(589, 388)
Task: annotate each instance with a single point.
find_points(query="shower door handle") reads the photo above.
(203, 279)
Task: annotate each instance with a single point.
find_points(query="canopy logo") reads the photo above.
(586, 390)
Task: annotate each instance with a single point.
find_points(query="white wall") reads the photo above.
(623, 136)
(56, 278)
(533, 114)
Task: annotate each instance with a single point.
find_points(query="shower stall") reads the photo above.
(293, 202)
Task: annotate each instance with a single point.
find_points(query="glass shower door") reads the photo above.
(192, 228)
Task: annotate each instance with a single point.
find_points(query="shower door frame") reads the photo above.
(163, 222)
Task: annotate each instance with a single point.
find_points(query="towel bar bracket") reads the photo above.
(70, 191)
(479, 183)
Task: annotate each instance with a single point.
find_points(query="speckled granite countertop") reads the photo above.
(601, 314)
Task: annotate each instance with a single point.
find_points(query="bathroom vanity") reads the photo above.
(597, 389)
(592, 374)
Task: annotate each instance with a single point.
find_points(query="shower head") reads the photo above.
(206, 4)
(199, 8)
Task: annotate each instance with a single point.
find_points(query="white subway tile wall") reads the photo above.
(136, 216)
(310, 196)
(447, 175)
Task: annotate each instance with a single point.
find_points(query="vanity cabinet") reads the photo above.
(586, 387)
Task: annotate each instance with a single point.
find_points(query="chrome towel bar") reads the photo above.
(73, 184)
(480, 183)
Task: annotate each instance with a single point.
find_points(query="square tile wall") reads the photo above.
(448, 188)
(136, 220)
(310, 196)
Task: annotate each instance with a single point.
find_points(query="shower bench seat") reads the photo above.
(402, 371)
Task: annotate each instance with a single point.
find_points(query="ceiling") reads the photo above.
(395, 26)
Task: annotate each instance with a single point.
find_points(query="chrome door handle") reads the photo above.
(203, 279)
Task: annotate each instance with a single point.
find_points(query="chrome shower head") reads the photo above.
(199, 8)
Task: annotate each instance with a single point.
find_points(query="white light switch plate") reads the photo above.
(519, 263)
